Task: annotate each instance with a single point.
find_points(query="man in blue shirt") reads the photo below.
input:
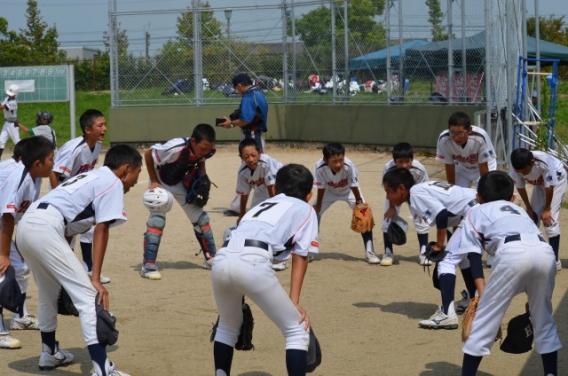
(251, 118)
(253, 110)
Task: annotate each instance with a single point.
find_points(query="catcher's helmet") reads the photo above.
(13, 90)
(158, 200)
(44, 115)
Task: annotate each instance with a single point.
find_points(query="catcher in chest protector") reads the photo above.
(177, 172)
(283, 227)
(336, 179)
(523, 262)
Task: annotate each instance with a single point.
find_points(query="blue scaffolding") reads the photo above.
(526, 117)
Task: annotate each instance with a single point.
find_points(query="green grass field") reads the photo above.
(101, 101)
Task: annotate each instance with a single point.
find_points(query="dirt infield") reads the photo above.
(366, 316)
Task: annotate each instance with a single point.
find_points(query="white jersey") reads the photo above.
(430, 198)
(263, 176)
(285, 223)
(478, 149)
(88, 199)
(10, 108)
(547, 171)
(339, 183)
(486, 226)
(417, 170)
(17, 190)
(44, 131)
(76, 157)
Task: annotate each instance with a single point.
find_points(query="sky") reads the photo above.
(82, 22)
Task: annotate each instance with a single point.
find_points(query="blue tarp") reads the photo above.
(378, 59)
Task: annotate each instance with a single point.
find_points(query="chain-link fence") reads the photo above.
(300, 52)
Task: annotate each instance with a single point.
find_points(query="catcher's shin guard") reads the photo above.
(152, 237)
(204, 235)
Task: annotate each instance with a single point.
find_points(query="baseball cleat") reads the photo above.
(49, 361)
(280, 266)
(372, 257)
(464, 303)
(151, 273)
(230, 213)
(439, 320)
(489, 261)
(102, 278)
(28, 322)
(110, 370)
(8, 342)
(207, 264)
(387, 259)
(424, 261)
(558, 266)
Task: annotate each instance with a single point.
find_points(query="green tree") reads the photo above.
(39, 38)
(210, 26)
(436, 15)
(364, 33)
(551, 29)
(12, 53)
(121, 38)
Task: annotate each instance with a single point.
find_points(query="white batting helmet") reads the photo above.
(158, 200)
(13, 90)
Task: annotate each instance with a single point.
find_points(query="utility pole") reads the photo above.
(147, 39)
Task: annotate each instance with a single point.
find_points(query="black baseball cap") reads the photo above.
(520, 335)
(106, 325)
(241, 78)
(11, 296)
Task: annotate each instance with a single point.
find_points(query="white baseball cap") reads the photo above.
(13, 90)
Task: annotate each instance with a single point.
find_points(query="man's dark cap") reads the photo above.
(11, 296)
(241, 78)
(520, 335)
(106, 326)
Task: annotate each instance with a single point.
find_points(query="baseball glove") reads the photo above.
(468, 317)
(65, 305)
(244, 342)
(362, 220)
(433, 254)
(198, 192)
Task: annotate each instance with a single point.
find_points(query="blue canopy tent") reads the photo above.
(378, 59)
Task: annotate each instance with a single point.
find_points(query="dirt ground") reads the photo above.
(366, 316)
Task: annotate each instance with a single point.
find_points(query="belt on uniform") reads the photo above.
(514, 238)
(252, 243)
(45, 205)
(473, 202)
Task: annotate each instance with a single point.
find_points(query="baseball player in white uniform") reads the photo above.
(17, 191)
(442, 205)
(337, 179)
(547, 175)
(10, 107)
(523, 262)
(72, 208)
(281, 228)
(256, 173)
(75, 157)
(466, 150)
(167, 166)
(403, 156)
